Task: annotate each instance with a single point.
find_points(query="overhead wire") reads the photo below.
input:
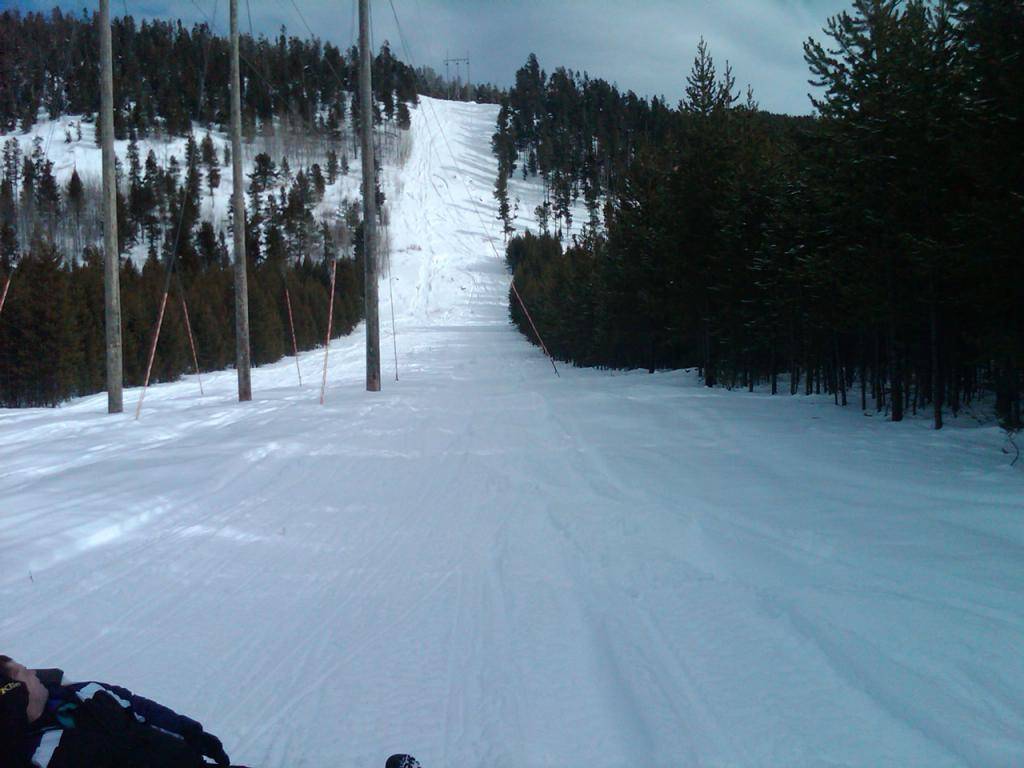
(264, 76)
(53, 121)
(64, 77)
(379, 140)
(352, 26)
(378, 150)
(248, 12)
(387, 228)
(173, 255)
(462, 177)
(458, 236)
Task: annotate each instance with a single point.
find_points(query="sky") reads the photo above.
(645, 46)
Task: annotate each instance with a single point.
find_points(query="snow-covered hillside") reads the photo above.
(488, 565)
(69, 142)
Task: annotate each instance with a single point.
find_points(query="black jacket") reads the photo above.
(95, 725)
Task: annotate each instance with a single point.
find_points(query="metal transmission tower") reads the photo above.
(242, 362)
(111, 259)
(457, 61)
(369, 203)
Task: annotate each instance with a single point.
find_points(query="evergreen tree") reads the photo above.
(504, 209)
(209, 158)
(990, 40)
(332, 166)
(319, 185)
(264, 172)
(76, 200)
(403, 117)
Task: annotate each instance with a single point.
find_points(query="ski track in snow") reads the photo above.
(486, 565)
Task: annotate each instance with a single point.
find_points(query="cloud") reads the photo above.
(645, 46)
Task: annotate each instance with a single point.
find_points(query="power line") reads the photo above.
(369, 182)
(248, 12)
(462, 178)
(173, 256)
(312, 34)
(255, 70)
(352, 26)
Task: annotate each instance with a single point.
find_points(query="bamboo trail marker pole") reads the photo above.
(536, 333)
(188, 326)
(156, 337)
(369, 204)
(152, 354)
(394, 332)
(291, 325)
(3, 296)
(330, 322)
(111, 260)
(191, 340)
(242, 355)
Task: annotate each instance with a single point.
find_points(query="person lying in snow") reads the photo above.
(48, 723)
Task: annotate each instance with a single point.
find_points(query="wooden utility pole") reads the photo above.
(369, 204)
(111, 259)
(242, 363)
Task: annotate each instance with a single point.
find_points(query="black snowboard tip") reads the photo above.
(402, 761)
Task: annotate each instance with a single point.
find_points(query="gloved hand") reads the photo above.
(210, 746)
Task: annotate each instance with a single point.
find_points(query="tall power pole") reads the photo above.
(369, 203)
(242, 363)
(111, 259)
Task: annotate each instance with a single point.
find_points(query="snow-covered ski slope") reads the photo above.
(486, 565)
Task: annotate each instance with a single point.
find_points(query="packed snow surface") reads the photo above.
(488, 565)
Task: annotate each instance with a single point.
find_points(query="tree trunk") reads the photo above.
(794, 368)
(710, 374)
(936, 373)
(1016, 424)
(774, 371)
(905, 380)
(894, 374)
(808, 375)
(840, 372)
(954, 389)
(863, 377)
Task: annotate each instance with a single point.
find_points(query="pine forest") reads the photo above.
(874, 251)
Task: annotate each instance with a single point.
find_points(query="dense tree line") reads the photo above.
(51, 331)
(874, 252)
(167, 75)
(578, 134)
(431, 83)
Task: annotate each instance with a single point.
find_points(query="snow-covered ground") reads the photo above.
(487, 565)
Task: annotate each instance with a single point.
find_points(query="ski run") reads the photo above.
(488, 565)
